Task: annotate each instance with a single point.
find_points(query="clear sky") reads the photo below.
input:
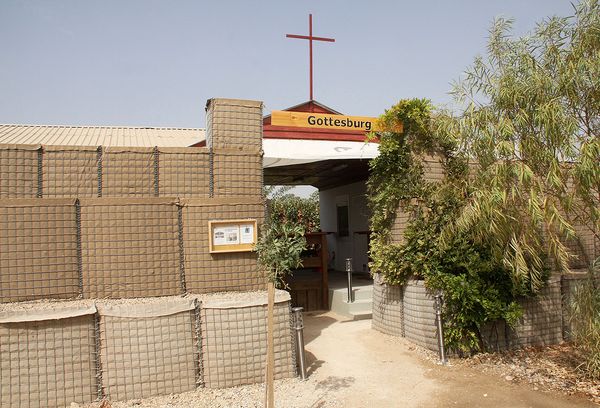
(156, 62)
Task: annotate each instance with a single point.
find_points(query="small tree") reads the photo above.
(278, 248)
(531, 122)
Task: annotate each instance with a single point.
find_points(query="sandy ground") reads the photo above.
(351, 365)
(375, 370)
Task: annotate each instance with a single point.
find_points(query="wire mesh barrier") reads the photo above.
(408, 311)
(388, 308)
(18, 171)
(116, 238)
(120, 247)
(206, 272)
(28, 171)
(585, 246)
(399, 225)
(148, 348)
(52, 354)
(130, 247)
(541, 323)
(38, 249)
(183, 172)
(234, 340)
(231, 122)
(47, 357)
(128, 172)
(237, 172)
(419, 315)
(70, 171)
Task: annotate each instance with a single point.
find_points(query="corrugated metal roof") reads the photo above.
(100, 135)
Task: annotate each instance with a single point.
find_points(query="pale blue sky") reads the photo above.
(156, 62)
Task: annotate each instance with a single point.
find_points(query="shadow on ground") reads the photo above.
(312, 364)
(314, 323)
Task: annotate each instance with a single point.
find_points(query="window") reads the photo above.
(342, 221)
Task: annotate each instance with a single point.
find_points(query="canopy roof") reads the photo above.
(323, 158)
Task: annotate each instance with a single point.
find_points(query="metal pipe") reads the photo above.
(299, 327)
(437, 305)
(349, 271)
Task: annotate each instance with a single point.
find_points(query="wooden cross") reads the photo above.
(310, 39)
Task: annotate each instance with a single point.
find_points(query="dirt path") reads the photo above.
(360, 367)
(351, 366)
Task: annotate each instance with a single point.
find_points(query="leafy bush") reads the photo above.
(288, 208)
(282, 239)
(477, 288)
(279, 248)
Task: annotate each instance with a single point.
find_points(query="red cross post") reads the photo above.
(310, 39)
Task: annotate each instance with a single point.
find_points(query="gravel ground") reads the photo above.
(545, 368)
(289, 393)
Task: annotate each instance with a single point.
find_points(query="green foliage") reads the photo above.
(288, 208)
(477, 289)
(584, 316)
(530, 128)
(531, 106)
(282, 237)
(279, 249)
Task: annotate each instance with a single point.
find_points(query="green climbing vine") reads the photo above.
(477, 288)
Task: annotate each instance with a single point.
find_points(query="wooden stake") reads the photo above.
(270, 391)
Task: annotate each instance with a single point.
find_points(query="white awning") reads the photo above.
(285, 152)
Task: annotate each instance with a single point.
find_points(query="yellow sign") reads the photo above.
(323, 121)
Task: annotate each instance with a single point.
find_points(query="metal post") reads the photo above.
(299, 327)
(437, 305)
(349, 271)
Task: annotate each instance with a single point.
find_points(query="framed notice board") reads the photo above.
(231, 235)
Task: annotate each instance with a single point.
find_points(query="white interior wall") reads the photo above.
(355, 245)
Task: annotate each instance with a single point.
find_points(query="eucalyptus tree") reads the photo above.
(530, 124)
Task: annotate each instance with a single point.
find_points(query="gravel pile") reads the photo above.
(289, 393)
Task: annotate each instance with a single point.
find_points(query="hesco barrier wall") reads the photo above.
(52, 354)
(148, 348)
(34, 171)
(388, 308)
(38, 247)
(405, 311)
(419, 315)
(132, 222)
(48, 356)
(129, 248)
(234, 340)
(408, 311)
(205, 272)
(231, 122)
(120, 247)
